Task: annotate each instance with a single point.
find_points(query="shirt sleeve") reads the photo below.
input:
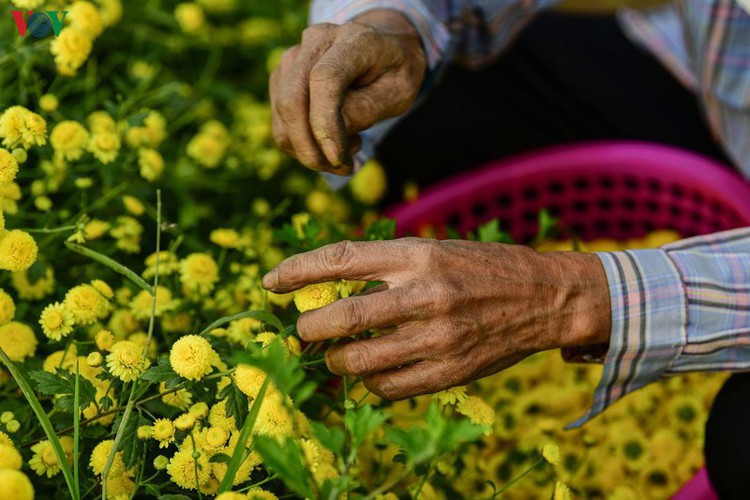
(474, 32)
(682, 308)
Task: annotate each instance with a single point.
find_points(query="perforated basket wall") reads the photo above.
(615, 190)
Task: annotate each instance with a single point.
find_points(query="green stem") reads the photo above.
(110, 263)
(518, 478)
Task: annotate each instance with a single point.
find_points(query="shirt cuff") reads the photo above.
(649, 319)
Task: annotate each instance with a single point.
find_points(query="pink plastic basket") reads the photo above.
(615, 190)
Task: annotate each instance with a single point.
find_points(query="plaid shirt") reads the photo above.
(684, 307)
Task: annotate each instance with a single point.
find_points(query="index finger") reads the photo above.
(361, 261)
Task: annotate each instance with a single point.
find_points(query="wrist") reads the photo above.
(584, 300)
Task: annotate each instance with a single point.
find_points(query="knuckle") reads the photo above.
(339, 257)
(326, 69)
(314, 32)
(286, 106)
(356, 360)
(353, 316)
(385, 387)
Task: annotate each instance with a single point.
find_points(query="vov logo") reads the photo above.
(39, 24)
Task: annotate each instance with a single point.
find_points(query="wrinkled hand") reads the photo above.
(460, 310)
(341, 80)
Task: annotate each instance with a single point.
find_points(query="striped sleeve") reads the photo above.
(682, 308)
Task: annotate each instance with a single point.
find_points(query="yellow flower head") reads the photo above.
(184, 422)
(141, 303)
(7, 307)
(562, 492)
(368, 185)
(49, 103)
(151, 164)
(86, 304)
(192, 357)
(126, 361)
(478, 411)
(210, 145)
(17, 340)
(102, 287)
(225, 238)
(71, 49)
(198, 273)
(145, 432)
(10, 458)
(199, 410)
(37, 290)
(99, 459)
(21, 127)
(164, 432)
(105, 146)
(231, 495)
(133, 205)
(551, 453)
(316, 296)
(190, 17)
(69, 140)
(56, 321)
(161, 462)
(8, 167)
(111, 11)
(451, 396)
(274, 418)
(179, 399)
(149, 135)
(45, 462)
(95, 229)
(64, 359)
(182, 469)
(104, 340)
(101, 122)
(85, 17)
(249, 379)
(218, 417)
(94, 359)
(261, 494)
(14, 484)
(18, 251)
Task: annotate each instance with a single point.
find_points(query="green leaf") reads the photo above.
(153, 490)
(264, 316)
(239, 451)
(547, 226)
(491, 233)
(236, 402)
(222, 458)
(44, 421)
(287, 460)
(161, 372)
(381, 229)
(130, 446)
(62, 385)
(330, 437)
(362, 422)
(110, 263)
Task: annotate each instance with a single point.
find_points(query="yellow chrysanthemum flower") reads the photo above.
(164, 432)
(161, 462)
(141, 303)
(562, 492)
(8, 167)
(16, 485)
(184, 422)
(17, 340)
(64, 359)
(94, 359)
(249, 379)
(133, 205)
(181, 399)
(71, 49)
(127, 231)
(120, 487)
(451, 396)
(69, 140)
(95, 229)
(126, 361)
(49, 103)
(231, 495)
(369, 184)
(104, 340)
(102, 287)
(45, 462)
(37, 290)
(85, 17)
(20, 127)
(261, 494)
(86, 304)
(56, 321)
(225, 238)
(151, 164)
(209, 146)
(7, 307)
(274, 418)
(182, 469)
(218, 417)
(10, 458)
(149, 135)
(99, 456)
(478, 411)
(551, 453)
(192, 357)
(316, 296)
(199, 410)
(27, 4)
(111, 11)
(198, 273)
(190, 17)
(18, 251)
(105, 146)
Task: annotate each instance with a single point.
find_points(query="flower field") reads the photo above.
(141, 202)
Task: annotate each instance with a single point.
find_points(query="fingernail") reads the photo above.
(270, 279)
(331, 150)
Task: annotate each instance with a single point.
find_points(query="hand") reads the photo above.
(460, 310)
(341, 80)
